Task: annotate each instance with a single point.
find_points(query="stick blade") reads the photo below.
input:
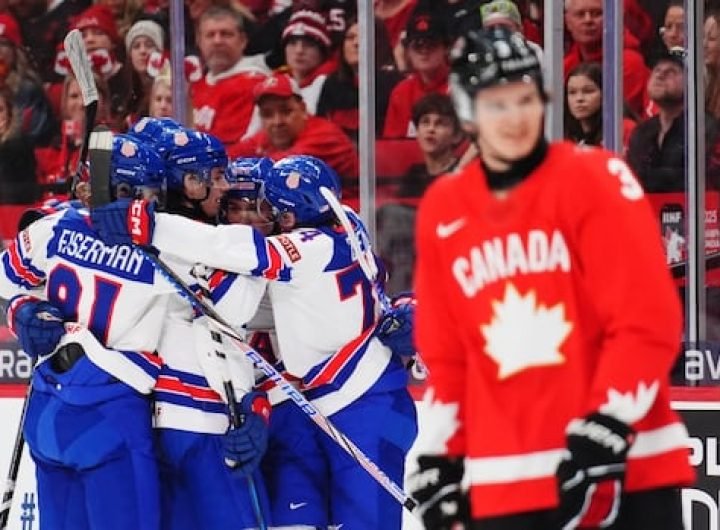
(81, 67)
(100, 149)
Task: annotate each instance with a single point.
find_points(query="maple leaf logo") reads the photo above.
(437, 423)
(523, 334)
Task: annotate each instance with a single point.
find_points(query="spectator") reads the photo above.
(103, 43)
(438, 134)
(395, 14)
(657, 146)
(45, 24)
(58, 161)
(288, 129)
(672, 32)
(17, 161)
(711, 48)
(160, 98)
(307, 45)
(30, 104)
(505, 13)
(672, 35)
(339, 97)
(222, 101)
(125, 12)
(142, 39)
(584, 23)
(583, 107)
(427, 45)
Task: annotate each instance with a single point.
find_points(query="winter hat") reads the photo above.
(146, 28)
(307, 23)
(100, 17)
(9, 29)
(500, 10)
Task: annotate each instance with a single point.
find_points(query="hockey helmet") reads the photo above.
(490, 57)
(187, 151)
(293, 185)
(134, 167)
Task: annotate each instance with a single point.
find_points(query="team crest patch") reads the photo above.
(128, 149)
(289, 247)
(293, 180)
(180, 139)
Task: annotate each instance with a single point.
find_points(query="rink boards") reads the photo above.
(699, 407)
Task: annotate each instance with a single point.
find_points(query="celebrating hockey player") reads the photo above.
(198, 489)
(88, 422)
(548, 321)
(326, 311)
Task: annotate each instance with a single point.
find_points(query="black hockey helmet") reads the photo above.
(490, 57)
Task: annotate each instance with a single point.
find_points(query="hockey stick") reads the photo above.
(14, 464)
(276, 377)
(366, 260)
(236, 420)
(80, 63)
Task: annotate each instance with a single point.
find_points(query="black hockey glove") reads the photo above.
(591, 475)
(442, 503)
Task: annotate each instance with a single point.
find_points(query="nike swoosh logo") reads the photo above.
(445, 230)
(297, 505)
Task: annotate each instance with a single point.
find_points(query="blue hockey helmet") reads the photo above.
(293, 185)
(187, 151)
(134, 166)
(151, 130)
(246, 176)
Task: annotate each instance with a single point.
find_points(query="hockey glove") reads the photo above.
(245, 445)
(591, 475)
(37, 324)
(395, 329)
(442, 503)
(124, 222)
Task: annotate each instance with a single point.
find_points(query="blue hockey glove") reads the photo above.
(395, 329)
(125, 221)
(591, 475)
(37, 324)
(244, 446)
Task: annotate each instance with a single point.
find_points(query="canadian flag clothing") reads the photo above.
(223, 105)
(540, 305)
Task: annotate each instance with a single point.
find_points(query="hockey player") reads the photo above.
(88, 422)
(325, 312)
(548, 321)
(198, 489)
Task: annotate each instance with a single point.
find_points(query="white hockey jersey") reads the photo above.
(112, 290)
(325, 309)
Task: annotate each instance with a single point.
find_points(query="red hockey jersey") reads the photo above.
(223, 105)
(539, 307)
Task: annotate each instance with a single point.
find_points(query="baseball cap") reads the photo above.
(498, 11)
(279, 85)
(423, 25)
(9, 29)
(676, 54)
(310, 24)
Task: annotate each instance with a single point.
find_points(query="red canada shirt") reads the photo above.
(539, 307)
